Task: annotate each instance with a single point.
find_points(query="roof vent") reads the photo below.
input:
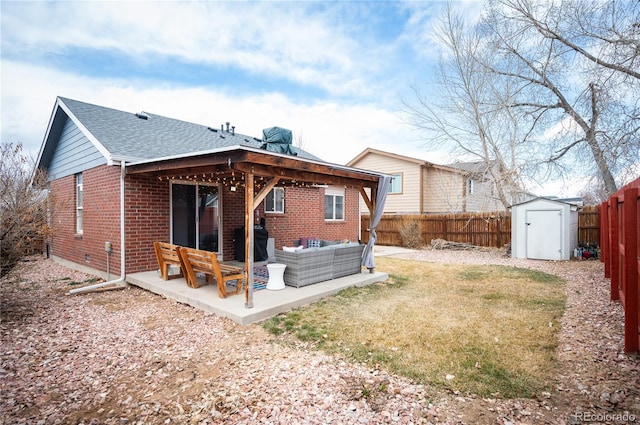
(215, 130)
(142, 115)
(231, 130)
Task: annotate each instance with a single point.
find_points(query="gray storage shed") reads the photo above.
(544, 229)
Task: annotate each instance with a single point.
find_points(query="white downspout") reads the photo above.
(120, 282)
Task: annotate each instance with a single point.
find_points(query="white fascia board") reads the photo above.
(186, 155)
(46, 133)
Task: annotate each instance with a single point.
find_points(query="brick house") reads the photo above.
(122, 180)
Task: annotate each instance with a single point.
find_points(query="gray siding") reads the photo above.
(483, 198)
(74, 153)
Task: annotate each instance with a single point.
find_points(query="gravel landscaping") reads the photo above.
(132, 357)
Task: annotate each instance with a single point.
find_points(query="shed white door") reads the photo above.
(544, 234)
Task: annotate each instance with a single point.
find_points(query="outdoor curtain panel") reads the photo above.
(381, 198)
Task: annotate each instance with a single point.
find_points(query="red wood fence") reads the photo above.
(619, 241)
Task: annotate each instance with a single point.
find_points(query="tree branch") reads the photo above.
(547, 32)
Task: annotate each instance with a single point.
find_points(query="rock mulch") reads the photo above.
(132, 357)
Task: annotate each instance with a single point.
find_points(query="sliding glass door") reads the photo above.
(208, 218)
(195, 216)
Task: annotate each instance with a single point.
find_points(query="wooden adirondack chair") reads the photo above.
(167, 255)
(199, 261)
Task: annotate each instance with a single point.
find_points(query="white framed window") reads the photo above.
(396, 184)
(334, 204)
(79, 202)
(470, 187)
(274, 201)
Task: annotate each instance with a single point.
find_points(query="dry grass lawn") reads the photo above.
(485, 330)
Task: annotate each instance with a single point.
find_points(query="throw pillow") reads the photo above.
(313, 243)
(305, 242)
(292, 248)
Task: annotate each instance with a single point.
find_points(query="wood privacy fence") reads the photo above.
(481, 229)
(620, 235)
(589, 225)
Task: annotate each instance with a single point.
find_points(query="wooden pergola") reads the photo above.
(257, 171)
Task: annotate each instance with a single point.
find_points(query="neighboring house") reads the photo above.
(577, 201)
(481, 190)
(422, 187)
(123, 180)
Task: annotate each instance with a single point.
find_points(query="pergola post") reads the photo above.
(372, 208)
(248, 236)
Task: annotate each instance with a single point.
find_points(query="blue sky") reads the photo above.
(335, 73)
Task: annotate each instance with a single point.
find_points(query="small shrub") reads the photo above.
(411, 234)
(24, 207)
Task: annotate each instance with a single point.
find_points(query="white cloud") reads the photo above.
(331, 46)
(420, 29)
(330, 130)
(565, 126)
(562, 188)
(278, 40)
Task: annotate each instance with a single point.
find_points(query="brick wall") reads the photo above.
(303, 217)
(101, 219)
(232, 218)
(147, 219)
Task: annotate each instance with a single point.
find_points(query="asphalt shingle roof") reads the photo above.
(474, 167)
(125, 135)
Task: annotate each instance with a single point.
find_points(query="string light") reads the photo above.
(238, 180)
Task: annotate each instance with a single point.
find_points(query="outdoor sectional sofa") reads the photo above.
(312, 265)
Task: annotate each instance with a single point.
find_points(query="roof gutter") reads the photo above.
(121, 281)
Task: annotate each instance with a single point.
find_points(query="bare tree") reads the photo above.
(299, 142)
(594, 193)
(605, 33)
(23, 207)
(573, 63)
(537, 88)
(468, 114)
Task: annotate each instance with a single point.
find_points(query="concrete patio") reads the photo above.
(267, 303)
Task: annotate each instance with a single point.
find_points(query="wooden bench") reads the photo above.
(199, 261)
(167, 255)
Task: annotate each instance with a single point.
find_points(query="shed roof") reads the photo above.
(573, 207)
